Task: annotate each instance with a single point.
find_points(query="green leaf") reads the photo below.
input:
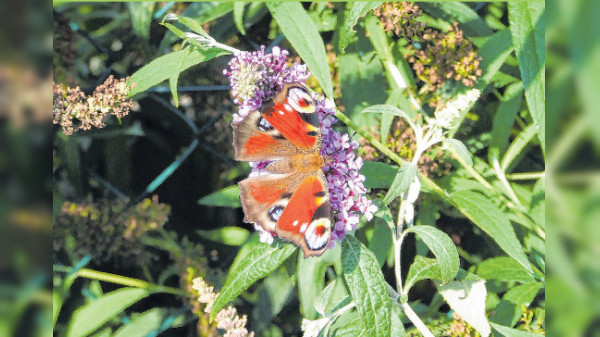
(141, 17)
(311, 279)
(423, 268)
(163, 67)
(323, 299)
(232, 236)
(517, 146)
(275, 291)
(175, 76)
(367, 287)
(492, 221)
(510, 332)
(442, 247)
(467, 298)
(493, 53)
(503, 268)
(358, 10)
(460, 149)
(213, 11)
(226, 197)
(522, 294)
(260, 262)
(142, 324)
(537, 206)
(504, 120)
(300, 31)
(238, 16)
(405, 176)
(470, 22)
(192, 24)
(91, 316)
(527, 26)
(397, 327)
(386, 109)
(381, 241)
(378, 175)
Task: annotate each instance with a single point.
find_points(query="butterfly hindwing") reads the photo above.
(306, 219)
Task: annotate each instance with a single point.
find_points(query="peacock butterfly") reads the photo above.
(292, 199)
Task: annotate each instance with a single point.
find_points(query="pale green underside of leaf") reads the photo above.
(527, 26)
(492, 221)
(260, 262)
(167, 66)
(300, 31)
(467, 298)
(367, 287)
(461, 150)
(91, 316)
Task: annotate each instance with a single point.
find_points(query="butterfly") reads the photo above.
(292, 198)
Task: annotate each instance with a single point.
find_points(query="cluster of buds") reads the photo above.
(256, 76)
(74, 110)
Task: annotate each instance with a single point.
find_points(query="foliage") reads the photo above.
(447, 100)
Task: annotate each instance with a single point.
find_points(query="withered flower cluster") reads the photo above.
(400, 18)
(460, 328)
(435, 56)
(445, 56)
(108, 231)
(74, 110)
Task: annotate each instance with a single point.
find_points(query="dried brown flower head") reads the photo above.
(400, 18)
(107, 230)
(444, 56)
(74, 110)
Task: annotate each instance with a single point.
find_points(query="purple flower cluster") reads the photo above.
(255, 76)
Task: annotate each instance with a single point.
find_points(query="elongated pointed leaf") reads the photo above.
(238, 16)
(442, 247)
(527, 26)
(503, 268)
(300, 31)
(493, 53)
(461, 150)
(260, 262)
(367, 287)
(405, 176)
(510, 332)
(226, 197)
(163, 67)
(91, 316)
(142, 325)
(358, 10)
(493, 222)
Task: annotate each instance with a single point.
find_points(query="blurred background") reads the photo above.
(27, 171)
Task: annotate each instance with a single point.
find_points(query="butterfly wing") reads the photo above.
(295, 207)
(285, 126)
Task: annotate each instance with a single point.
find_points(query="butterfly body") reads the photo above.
(290, 198)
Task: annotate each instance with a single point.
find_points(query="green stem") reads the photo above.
(122, 280)
(526, 176)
